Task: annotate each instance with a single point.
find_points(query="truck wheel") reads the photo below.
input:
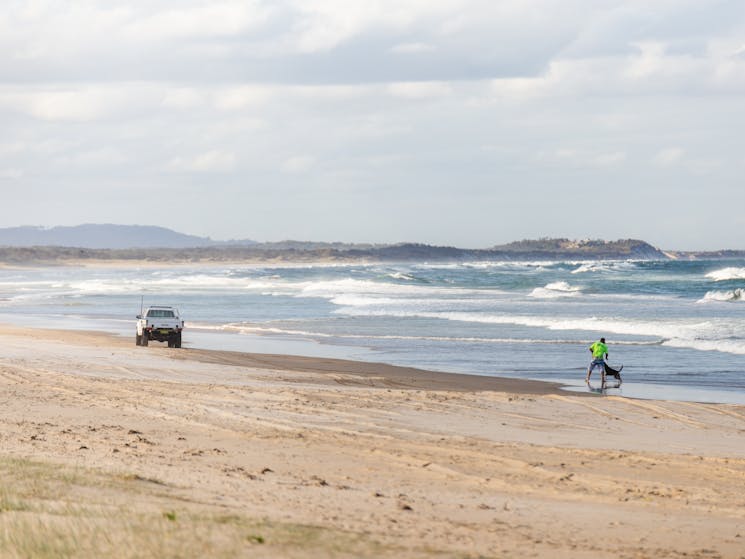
(138, 339)
(145, 339)
(177, 341)
(170, 342)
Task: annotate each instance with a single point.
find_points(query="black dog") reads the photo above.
(611, 372)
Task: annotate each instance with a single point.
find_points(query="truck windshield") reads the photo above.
(159, 313)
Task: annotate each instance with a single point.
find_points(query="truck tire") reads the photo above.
(171, 343)
(177, 341)
(138, 339)
(145, 339)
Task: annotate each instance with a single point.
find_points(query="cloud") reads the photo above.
(12, 148)
(333, 92)
(650, 71)
(321, 25)
(704, 165)
(609, 159)
(213, 161)
(209, 19)
(380, 101)
(240, 97)
(79, 103)
(182, 98)
(44, 32)
(101, 157)
(65, 104)
(583, 158)
(420, 90)
(293, 41)
(280, 40)
(668, 157)
(739, 51)
(413, 48)
(298, 164)
(11, 174)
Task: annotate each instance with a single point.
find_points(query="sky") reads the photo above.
(453, 122)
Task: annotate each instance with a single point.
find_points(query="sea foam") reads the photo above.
(555, 290)
(724, 336)
(726, 274)
(732, 295)
(604, 266)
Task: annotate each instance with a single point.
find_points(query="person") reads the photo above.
(599, 354)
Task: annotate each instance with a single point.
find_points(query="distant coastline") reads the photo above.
(543, 249)
(143, 245)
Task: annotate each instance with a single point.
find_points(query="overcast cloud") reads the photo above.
(466, 122)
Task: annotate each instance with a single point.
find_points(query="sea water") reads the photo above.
(677, 326)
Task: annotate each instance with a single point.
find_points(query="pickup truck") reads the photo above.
(159, 323)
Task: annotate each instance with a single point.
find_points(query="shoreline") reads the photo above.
(380, 374)
(370, 374)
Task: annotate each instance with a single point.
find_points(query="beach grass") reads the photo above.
(52, 511)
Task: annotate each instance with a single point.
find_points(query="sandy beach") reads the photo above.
(109, 449)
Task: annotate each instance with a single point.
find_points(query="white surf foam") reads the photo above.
(178, 283)
(555, 290)
(604, 266)
(401, 276)
(733, 295)
(331, 289)
(162, 282)
(508, 265)
(413, 303)
(726, 274)
(725, 336)
(736, 347)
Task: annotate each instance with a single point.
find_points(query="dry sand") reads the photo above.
(316, 457)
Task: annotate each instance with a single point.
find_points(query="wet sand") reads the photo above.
(406, 463)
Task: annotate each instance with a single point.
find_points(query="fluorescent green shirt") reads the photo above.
(599, 349)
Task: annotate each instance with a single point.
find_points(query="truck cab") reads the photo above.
(159, 323)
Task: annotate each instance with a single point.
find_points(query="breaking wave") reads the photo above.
(736, 295)
(555, 290)
(726, 274)
(401, 276)
(604, 266)
(705, 336)
(331, 289)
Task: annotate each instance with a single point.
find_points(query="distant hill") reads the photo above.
(128, 241)
(547, 249)
(295, 251)
(542, 249)
(587, 248)
(104, 236)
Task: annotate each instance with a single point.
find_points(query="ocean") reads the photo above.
(678, 327)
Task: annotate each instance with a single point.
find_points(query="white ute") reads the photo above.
(162, 324)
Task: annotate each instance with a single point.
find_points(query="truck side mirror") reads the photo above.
(139, 316)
